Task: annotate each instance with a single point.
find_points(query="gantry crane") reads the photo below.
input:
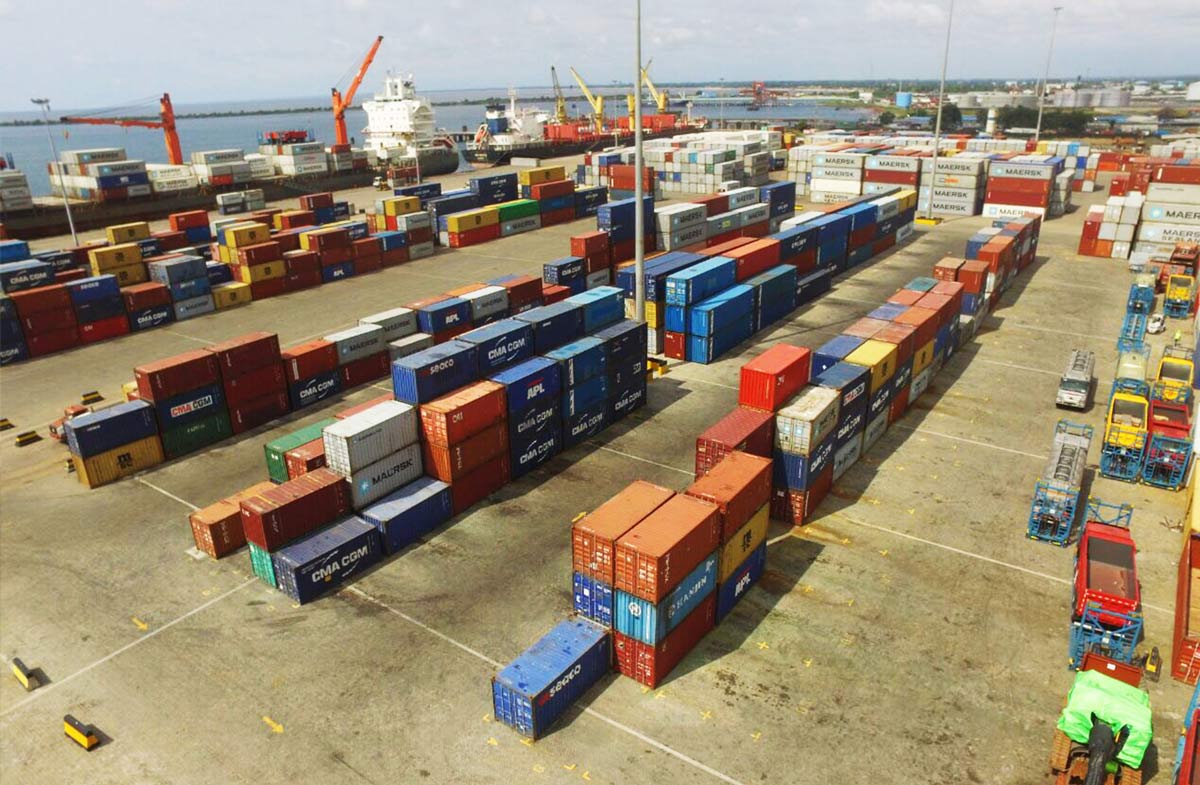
(560, 101)
(341, 103)
(595, 101)
(166, 123)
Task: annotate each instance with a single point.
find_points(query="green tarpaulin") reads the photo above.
(1117, 704)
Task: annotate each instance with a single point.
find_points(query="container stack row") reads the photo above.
(1109, 228)
(15, 195)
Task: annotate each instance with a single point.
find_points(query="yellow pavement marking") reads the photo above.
(579, 516)
(141, 625)
(492, 742)
(272, 724)
(763, 645)
(706, 715)
(756, 735)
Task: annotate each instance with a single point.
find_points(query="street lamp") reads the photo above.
(639, 220)
(1045, 78)
(45, 104)
(937, 126)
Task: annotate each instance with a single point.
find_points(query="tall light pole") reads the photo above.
(45, 104)
(721, 102)
(639, 220)
(937, 126)
(1046, 77)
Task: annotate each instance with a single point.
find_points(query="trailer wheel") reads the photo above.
(1060, 752)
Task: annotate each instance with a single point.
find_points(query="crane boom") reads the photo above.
(341, 103)
(560, 101)
(595, 101)
(661, 99)
(166, 123)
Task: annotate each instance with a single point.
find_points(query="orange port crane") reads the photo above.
(340, 102)
(166, 123)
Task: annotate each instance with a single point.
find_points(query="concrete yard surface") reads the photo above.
(910, 633)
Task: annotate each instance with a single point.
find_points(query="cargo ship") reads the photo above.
(530, 132)
(400, 124)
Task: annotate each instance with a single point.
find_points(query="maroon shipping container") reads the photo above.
(903, 336)
(714, 204)
(1022, 198)
(245, 353)
(654, 556)
(449, 463)
(292, 509)
(589, 244)
(261, 290)
(866, 327)
(739, 485)
(94, 332)
(294, 282)
(362, 407)
(393, 257)
(473, 488)
(798, 507)
(253, 384)
(258, 411)
(302, 261)
(332, 256)
(594, 537)
(924, 320)
(748, 430)
(141, 296)
(163, 379)
(953, 290)
(451, 333)
(769, 380)
(66, 276)
(553, 293)
(650, 665)
(54, 297)
(188, 220)
(422, 234)
(1020, 185)
(46, 321)
(305, 360)
(171, 241)
(368, 264)
(311, 201)
(365, 370)
(308, 457)
(367, 246)
(598, 262)
(675, 345)
(459, 415)
(50, 342)
(259, 253)
(942, 304)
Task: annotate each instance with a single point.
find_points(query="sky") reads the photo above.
(100, 53)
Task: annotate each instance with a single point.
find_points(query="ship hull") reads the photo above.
(495, 156)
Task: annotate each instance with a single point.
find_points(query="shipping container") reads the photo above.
(650, 665)
(455, 417)
(217, 528)
(448, 462)
(369, 436)
(738, 485)
(276, 450)
(806, 420)
(110, 466)
(734, 588)
(650, 622)
(501, 344)
(593, 599)
(322, 561)
(106, 429)
(736, 549)
(654, 556)
(529, 384)
(378, 479)
(748, 430)
(593, 537)
(279, 515)
(772, 378)
(432, 372)
(410, 512)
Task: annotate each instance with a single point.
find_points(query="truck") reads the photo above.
(1075, 385)
(1176, 371)
(1106, 601)
(1132, 366)
(1125, 435)
(1141, 298)
(1177, 301)
(1056, 493)
(1133, 331)
(1105, 728)
(1169, 448)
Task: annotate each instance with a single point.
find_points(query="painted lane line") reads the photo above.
(964, 440)
(136, 642)
(589, 711)
(1022, 326)
(168, 494)
(183, 335)
(643, 460)
(693, 379)
(1014, 365)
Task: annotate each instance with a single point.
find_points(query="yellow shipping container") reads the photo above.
(127, 233)
(246, 234)
(261, 272)
(472, 219)
(129, 390)
(229, 295)
(922, 358)
(908, 199)
(541, 174)
(121, 462)
(401, 205)
(879, 356)
(126, 274)
(734, 552)
(307, 243)
(107, 257)
(226, 255)
(380, 222)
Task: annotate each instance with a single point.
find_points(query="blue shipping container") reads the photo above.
(584, 425)
(542, 683)
(700, 281)
(775, 284)
(423, 376)
(852, 383)
(625, 340)
(665, 266)
(218, 273)
(95, 310)
(529, 452)
(443, 315)
(625, 373)
(524, 426)
(107, 429)
(13, 352)
(795, 241)
(812, 286)
(424, 191)
(306, 392)
(833, 352)
(735, 586)
(501, 344)
(97, 287)
(601, 307)
(183, 268)
(554, 324)
(192, 287)
(336, 272)
(562, 271)
(151, 317)
(622, 402)
(584, 395)
(707, 348)
(593, 599)
(16, 276)
(797, 471)
(390, 241)
(13, 250)
(415, 510)
(310, 567)
(888, 311)
(530, 383)
(579, 360)
(727, 309)
(649, 622)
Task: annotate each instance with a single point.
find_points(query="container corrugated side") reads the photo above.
(593, 537)
(806, 420)
(369, 436)
(406, 514)
(650, 622)
(654, 556)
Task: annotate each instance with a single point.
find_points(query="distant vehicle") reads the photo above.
(1156, 324)
(1075, 385)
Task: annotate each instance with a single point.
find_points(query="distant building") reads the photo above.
(1193, 91)
(991, 100)
(1108, 97)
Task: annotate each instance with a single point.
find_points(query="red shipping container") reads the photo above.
(473, 488)
(924, 320)
(141, 296)
(294, 282)
(65, 276)
(306, 360)
(50, 342)
(675, 345)
(393, 257)
(368, 264)
(552, 217)
(905, 297)
(1183, 175)
(259, 253)
(280, 514)
(261, 290)
(41, 298)
(899, 405)
(362, 407)
(288, 241)
(480, 234)
(217, 528)
(650, 665)
(863, 236)
(297, 219)
(1022, 198)
(190, 219)
(302, 261)
(450, 462)
(367, 246)
(622, 251)
(866, 327)
(313, 201)
(590, 244)
(458, 415)
(714, 204)
(171, 241)
(890, 176)
(1019, 185)
(334, 255)
(552, 189)
(422, 234)
(451, 333)
(770, 379)
(594, 537)
(255, 383)
(942, 304)
(882, 244)
(308, 457)
(654, 556)
(258, 411)
(903, 336)
(553, 293)
(365, 370)
(798, 507)
(171, 376)
(724, 238)
(46, 321)
(748, 430)
(754, 257)
(946, 269)
(94, 332)
(739, 485)
(760, 229)
(953, 290)
(595, 264)
(972, 276)
(522, 289)
(245, 353)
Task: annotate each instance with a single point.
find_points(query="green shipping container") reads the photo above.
(520, 208)
(260, 562)
(191, 437)
(275, 450)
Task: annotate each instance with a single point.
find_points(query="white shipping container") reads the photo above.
(420, 250)
(385, 475)
(355, 343)
(487, 301)
(853, 187)
(210, 157)
(396, 323)
(993, 210)
(369, 436)
(420, 220)
(1169, 233)
(804, 422)
(1173, 193)
(1164, 212)
(410, 344)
